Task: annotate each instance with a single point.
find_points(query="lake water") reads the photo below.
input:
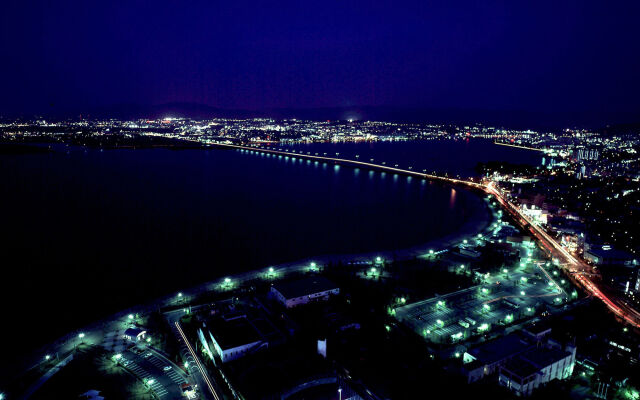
(88, 232)
(455, 158)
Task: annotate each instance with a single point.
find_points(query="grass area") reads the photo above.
(91, 369)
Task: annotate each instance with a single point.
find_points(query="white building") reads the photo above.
(537, 367)
(234, 338)
(295, 293)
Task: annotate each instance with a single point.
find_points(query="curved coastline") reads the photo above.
(96, 330)
(470, 228)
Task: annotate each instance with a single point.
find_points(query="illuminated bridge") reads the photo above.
(572, 268)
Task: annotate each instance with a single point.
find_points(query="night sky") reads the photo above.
(543, 56)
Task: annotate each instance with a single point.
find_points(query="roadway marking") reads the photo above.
(200, 366)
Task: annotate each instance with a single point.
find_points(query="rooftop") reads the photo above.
(521, 368)
(542, 357)
(499, 349)
(233, 333)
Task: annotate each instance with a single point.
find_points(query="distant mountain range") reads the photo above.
(620, 122)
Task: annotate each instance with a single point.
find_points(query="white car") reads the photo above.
(167, 368)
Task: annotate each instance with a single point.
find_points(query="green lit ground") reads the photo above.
(91, 369)
(514, 294)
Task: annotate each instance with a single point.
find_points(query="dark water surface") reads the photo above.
(87, 232)
(458, 157)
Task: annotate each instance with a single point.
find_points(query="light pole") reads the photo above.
(339, 393)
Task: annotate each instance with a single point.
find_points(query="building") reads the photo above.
(606, 255)
(232, 338)
(536, 367)
(135, 334)
(522, 361)
(295, 293)
(486, 359)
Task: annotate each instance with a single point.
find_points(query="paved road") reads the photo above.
(574, 267)
(208, 388)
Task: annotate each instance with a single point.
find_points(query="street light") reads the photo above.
(47, 357)
(81, 335)
(130, 316)
(339, 393)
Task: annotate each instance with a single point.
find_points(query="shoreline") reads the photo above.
(471, 227)
(443, 244)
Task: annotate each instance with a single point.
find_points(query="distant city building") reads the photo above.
(586, 154)
(295, 293)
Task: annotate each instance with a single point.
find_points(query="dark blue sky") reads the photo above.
(542, 56)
